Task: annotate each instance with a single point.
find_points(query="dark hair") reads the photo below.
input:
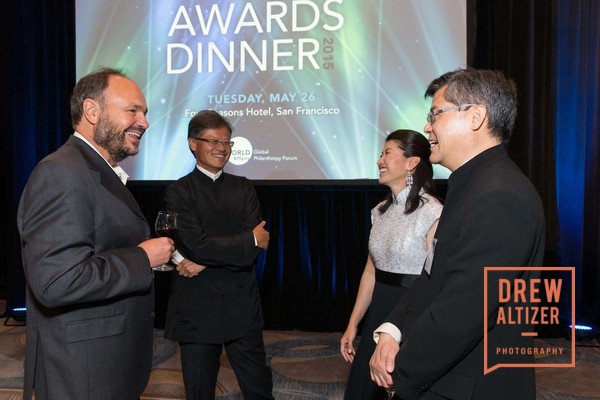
(91, 86)
(414, 144)
(479, 86)
(207, 119)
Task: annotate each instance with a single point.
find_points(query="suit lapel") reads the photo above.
(107, 176)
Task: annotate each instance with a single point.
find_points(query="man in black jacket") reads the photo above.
(432, 345)
(214, 299)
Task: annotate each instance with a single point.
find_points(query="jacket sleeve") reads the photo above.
(229, 247)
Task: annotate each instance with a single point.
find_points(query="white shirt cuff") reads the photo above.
(176, 258)
(390, 329)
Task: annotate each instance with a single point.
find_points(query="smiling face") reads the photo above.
(211, 157)
(450, 133)
(122, 120)
(392, 166)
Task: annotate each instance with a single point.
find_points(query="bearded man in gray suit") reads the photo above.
(86, 254)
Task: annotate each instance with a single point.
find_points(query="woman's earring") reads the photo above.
(409, 178)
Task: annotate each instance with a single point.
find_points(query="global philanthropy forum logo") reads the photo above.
(527, 299)
(241, 152)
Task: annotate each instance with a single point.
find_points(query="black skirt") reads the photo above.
(389, 289)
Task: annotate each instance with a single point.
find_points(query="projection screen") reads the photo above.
(312, 87)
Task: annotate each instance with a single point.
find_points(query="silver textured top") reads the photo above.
(397, 242)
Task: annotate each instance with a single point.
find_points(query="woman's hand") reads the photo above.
(346, 344)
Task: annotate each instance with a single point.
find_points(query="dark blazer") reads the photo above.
(215, 229)
(492, 217)
(89, 287)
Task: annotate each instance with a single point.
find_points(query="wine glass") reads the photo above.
(390, 392)
(165, 225)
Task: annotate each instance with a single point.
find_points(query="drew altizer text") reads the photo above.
(526, 298)
(209, 52)
(523, 291)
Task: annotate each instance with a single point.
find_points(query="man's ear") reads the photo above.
(91, 111)
(479, 116)
(192, 144)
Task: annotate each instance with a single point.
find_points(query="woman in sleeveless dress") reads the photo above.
(403, 225)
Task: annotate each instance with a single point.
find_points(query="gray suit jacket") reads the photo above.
(89, 287)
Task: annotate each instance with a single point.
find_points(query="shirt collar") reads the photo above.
(118, 170)
(206, 172)
(465, 171)
(401, 197)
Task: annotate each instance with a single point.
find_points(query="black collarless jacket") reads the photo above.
(215, 220)
(492, 216)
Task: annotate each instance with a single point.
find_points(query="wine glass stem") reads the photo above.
(390, 392)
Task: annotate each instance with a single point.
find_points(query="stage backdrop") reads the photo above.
(549, 48)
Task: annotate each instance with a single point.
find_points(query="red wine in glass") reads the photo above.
(165, 225)
(169, 232)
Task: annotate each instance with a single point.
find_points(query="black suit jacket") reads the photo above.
(90, 298)
(215, 229)
(492, 217)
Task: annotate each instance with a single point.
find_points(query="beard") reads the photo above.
(108, 136)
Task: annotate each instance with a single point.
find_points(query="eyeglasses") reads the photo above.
(434, 113)
(215, 142)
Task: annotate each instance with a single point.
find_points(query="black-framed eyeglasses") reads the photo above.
(434, 113)
(215, 142)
